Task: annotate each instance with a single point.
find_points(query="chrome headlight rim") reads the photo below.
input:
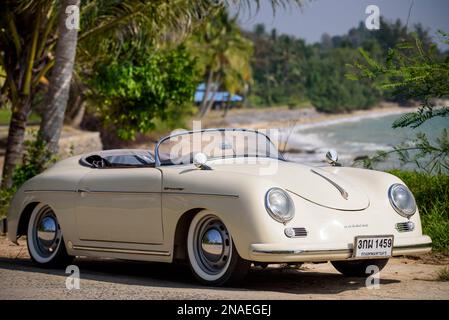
(291, 212)
(400, 211)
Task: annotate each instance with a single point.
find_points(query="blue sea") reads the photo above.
(354, 137)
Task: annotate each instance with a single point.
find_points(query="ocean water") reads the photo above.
(355, 137)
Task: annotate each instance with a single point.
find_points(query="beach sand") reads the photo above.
(282, 117)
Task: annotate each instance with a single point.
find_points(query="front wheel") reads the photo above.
(211, 251)
(358, 268)
(44, 238)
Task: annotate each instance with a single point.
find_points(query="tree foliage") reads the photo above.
(288, 71)
(431, 157)
(223, 55)
(413, 71)
(329, 90)
(140, 86)
(278, 67)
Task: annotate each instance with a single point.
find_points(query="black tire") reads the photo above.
(226, 271)
(357, 268)
(44, 239)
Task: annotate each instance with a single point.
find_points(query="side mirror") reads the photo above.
(199, 160)
(332, 157)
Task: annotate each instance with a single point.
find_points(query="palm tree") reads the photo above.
(25, 46)
(225, 53)
(58, 93)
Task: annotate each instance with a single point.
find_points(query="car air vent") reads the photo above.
(405, 226)
(296, 232)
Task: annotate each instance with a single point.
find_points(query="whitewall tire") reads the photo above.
(211, 252)
(44, 238)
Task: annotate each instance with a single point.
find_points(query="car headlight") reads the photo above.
(279, 205)
(402, 200)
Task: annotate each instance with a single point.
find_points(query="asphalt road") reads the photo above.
(116, 279)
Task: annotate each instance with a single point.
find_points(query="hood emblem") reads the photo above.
(342, 191)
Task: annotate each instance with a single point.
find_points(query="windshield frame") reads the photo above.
(160, 141)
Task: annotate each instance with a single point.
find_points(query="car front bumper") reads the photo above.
(268, 252)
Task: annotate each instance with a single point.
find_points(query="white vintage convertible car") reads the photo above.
(219, 199)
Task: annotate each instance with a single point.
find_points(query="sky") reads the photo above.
(336, 17)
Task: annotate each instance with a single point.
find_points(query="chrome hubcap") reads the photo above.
(212, 245)
(47, 234)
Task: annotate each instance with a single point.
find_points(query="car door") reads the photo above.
(120, 205)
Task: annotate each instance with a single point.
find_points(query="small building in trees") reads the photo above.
(221, 99)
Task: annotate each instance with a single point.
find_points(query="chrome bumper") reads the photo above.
(3, 226)
(298, 255)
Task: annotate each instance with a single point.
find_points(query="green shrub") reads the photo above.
(35, 160)
(432, 196)
(5, 199)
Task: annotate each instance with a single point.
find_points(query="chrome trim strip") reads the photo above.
(125, 242)
(342, 191)
(120, 192)
(339, 251)
(126, 251)
(303, 252)
(324, 206)
(138, 193)
(29, 191)
(203, 194)
(414, 246)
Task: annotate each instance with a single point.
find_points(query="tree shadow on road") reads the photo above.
(179, 276)
(305, 282)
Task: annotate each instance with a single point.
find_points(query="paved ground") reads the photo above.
(113, 279)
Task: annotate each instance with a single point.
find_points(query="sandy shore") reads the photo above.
(281, 117)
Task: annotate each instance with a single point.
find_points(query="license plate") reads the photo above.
(373, 247)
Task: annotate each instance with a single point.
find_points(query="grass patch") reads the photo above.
(435, 223)
(432, 197)
(5, 117)
(443, 274)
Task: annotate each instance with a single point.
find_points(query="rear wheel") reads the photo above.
(357, 268)
(44, 238)
(212, 255)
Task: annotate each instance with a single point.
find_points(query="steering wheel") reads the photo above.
(100, 162)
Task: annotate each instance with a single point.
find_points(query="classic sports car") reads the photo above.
(219, 199)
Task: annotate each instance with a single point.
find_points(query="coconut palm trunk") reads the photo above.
(208, 87)
(21, 91)
(59, 88)
(211, 92)
(16, 137)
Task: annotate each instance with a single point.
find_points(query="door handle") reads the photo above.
(83, 190)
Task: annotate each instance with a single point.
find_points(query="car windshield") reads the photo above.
(180, 148)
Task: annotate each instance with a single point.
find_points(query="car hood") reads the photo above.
(330, 187)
